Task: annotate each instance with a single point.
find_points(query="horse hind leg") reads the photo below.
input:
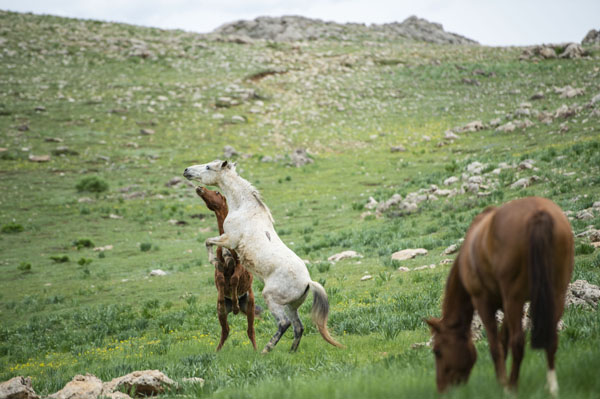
(513, 317)
(283, 323)
(298, 327)
(248, 308)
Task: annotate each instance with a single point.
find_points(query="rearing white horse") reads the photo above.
(249, 231)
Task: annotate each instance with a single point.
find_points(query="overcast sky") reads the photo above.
(491, 22)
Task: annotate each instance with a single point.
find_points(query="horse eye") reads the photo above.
(207, 167)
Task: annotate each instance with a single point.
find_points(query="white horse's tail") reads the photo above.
(320, 312)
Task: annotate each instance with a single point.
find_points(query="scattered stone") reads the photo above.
(522, 124)
(524, 182)
(538, 96)
(366, 277)
(158, 272)
(40, 108)
(449, 135)
(568, 91)
(592, 37)
(174, 181)
(506, 128)
(146, 132)
(300, 157)
(63, 150)
(176, 222)
(475, 168)
(398, 148)
(372, 204)
(80, 387)
(238, 119)
(218, 116)
(23, 128)
(472, 82)
(406, 254)
(344, 255)
(446, 262)
(229, 152)
(104, 248)
(582, 293)
(451, 249)
(595, 99)
(565, 112)
(526, 164)
(39, 158)
(451, 180)
(584, 215)
(403, 269)
(573, 50)
(432, 266)
(17, 388)
(143, 383)
(472, 127)
(83, 200)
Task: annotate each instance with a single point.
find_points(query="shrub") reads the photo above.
(92, 184)
(12, 228)
(84, 261)
(60, 258)
(24, 267)
(584, 249)
(83, 243)
(145, 246)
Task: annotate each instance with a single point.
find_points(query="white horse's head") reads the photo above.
(208, 173)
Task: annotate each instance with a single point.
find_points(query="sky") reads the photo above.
(490, 22)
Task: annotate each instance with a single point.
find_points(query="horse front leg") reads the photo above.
(234, 282)
(488, 317)
(220, 241)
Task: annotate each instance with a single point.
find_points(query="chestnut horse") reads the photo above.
(233, 281)
(520, 251)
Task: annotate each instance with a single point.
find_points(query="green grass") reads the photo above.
(66, 309)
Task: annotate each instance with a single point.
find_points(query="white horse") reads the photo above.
(249, 231)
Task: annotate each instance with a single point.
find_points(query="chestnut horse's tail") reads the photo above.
(540, 228)
(320, 312)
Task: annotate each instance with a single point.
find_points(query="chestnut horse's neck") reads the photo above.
(221, 214)
(457, 308)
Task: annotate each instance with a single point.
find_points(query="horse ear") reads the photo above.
(224, 165)
(434, 324)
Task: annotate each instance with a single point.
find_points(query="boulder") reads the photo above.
(592, 37)
(80, 387)
(406, 254)
(451, 249)
(582, 293)
(300, 157)
(17, 388)
(573, 50)
(229, 152)
(143, 383)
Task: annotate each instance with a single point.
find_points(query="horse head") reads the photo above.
(213, 199)
(208, 173)
(454, 353)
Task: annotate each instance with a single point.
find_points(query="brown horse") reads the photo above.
(233, 281)
(520, 251)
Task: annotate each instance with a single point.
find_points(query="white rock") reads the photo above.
(17, 388)
(158, 272)
(372, 204)
(475, 167)
(344, 255)
(145, 383)
(366, 277)
(408, 253)
(403, 269)
(451, 249)
(450, 180)
(80, 387)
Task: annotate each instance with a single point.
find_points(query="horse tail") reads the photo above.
(540, 230)
(320, 312)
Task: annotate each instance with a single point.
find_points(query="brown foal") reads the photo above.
(233, 281)
(520, 251)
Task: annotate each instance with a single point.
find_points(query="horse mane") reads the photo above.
(262, 204)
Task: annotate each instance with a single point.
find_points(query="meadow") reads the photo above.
(122, 110)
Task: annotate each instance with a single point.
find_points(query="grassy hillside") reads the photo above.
(92, 87)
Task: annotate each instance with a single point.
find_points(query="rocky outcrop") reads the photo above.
(17, 388)
(80, 387)
(296, 28)
(143, 383)
(592, 37)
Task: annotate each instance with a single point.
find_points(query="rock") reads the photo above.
(300, 157)
(408, 254)
(39, 158)
(229, 152)
(472, 82)
(538, 96)
(85, 200)
(17, 388)
(582, 293)
(573, 50)
(174, 181)
(116, 395)
(80, 387)
(472, 127)
(104, 248)
(526, 164)
(584, 215)
(568, 91)
(475, 180)
(565, 112)
(451, 249)
(449, 135)
(394, 200)
(506, 128)
(62, 150)
(146, 132)
(522, 124)
(238, 119)
(40, 108)
(446, 262)
(403, 269)
(53, 140)
(451, 180)
(158, 272)
(397, 148)
(366, 277)
(144, 383)
(432, 266)
(592, 37)
(547, 53)
(218, 116)
(372, 204)
(524, 182)
(344, 255)
(475, 168)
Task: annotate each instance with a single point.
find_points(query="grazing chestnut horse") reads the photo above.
(233, 281)
(520, 251)
(249, 231)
